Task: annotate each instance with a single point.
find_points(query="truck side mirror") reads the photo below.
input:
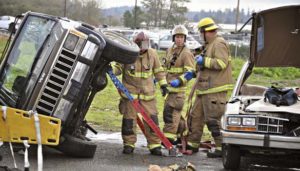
(12, 28)
(19, 84)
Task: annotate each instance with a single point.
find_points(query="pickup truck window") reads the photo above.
(27, 46)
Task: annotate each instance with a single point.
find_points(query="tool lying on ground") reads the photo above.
(140, 109)
(174, 167)
(207, 145)
(28, 127)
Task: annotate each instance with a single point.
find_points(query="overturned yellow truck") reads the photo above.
(54, 66)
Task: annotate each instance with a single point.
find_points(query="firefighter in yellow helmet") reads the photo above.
(138, 79)
(179, 64)
(215, 79)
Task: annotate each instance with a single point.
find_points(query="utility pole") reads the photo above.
(65, 10)
(237, 14)
(135, 7)
(236, 23)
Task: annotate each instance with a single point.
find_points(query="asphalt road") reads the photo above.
(109, 157)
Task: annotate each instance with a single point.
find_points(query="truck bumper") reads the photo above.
(261, 140)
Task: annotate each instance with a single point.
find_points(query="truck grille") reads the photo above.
(55, 83)
(270, 125)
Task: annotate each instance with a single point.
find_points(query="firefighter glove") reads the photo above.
(164, 90)
(175, 83)
(189, 75)
(200, 60)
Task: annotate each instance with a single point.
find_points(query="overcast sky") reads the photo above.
(197, 5)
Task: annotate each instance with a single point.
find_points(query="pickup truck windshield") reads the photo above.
(20, 60)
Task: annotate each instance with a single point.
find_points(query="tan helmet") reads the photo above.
(143, 41)
(179, 29)
(207, 24)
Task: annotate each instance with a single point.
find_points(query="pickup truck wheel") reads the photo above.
(231, 156)
(76, 147)
(118, 48)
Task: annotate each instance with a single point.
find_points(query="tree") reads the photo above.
(113, 20)
(167, 12)
(128, 19)
(83, 10)
(151, 11)
(176, 12)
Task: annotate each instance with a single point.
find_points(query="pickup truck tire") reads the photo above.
(118, 48)
(76, 147)
(231, 156)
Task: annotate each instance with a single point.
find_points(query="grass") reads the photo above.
(104, 110)
(2, 43)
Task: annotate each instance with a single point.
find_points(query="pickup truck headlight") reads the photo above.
(71, 42)
(241, 123)
(249, 121)
(234, 121)
(89, 50)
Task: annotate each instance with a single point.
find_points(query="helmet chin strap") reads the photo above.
(204, 36)
(142, 51)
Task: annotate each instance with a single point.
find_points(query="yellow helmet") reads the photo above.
(207, 24)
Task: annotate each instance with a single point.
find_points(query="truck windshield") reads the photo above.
(32, 36)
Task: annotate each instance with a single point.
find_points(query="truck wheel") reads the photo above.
(118, 48)
(76, 147)
(231, 156)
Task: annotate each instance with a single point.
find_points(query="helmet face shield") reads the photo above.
(145, 45)
(143, 41)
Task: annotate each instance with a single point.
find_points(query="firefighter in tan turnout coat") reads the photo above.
(214, 81)
(178, 61)
(138, 79)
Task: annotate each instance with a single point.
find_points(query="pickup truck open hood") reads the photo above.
(275, 40)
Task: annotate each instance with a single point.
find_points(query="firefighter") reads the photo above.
(215, 79)
(138, 79)
(178, 62)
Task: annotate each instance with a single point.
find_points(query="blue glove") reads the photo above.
(200, 60)
(175, 83)
(189, 75)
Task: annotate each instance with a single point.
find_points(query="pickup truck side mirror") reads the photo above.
(12, 28)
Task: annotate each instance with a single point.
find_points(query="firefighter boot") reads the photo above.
(194, 150)
(214, 153)
(128, 149)
(156, 151)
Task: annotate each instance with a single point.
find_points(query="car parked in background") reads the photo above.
(5, 21)
(166, 42)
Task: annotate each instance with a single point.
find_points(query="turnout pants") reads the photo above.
(130, 120)
(207, 109)
(172, 115)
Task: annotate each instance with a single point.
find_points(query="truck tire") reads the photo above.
(118, 48)
(76, 147)
(231, 156)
